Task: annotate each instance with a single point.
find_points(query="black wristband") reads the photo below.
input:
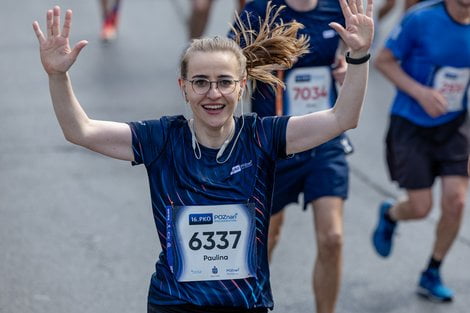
(350, 60)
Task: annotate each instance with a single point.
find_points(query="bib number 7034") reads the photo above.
(213, 240)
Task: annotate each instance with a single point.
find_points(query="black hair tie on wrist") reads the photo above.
(350, 60)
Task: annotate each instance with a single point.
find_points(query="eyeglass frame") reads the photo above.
(216, 82)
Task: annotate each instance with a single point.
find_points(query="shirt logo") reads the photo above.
(241, 167)
(330, 33)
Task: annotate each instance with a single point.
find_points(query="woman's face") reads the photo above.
(215, 108)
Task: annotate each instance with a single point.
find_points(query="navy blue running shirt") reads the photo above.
(323, 41)
(177, 178)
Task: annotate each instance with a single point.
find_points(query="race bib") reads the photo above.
(211, 242)
(453, 83)
(308, 90)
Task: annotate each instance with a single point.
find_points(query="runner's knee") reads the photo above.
(330, 245)
(420, 208)
(453, 206)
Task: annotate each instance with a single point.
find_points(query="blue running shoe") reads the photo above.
(382, 236)
(431, 287)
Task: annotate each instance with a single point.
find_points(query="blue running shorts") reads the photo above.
(322, 171)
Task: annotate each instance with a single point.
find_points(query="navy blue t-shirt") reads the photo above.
(178, 178)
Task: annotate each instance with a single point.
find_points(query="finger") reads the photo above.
(352, 5)
(345, 8)
(56, 22)
(49, 22)
(339, 29)
(38, 32)
(442, 104)
(78, 47)
(67, 24)
(369, 10)
(360, 8)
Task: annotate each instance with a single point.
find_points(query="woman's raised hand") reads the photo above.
(359, 29)
(56, 55)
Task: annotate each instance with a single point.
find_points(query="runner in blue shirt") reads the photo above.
(428, 136)
(321, 174)
(211, 177)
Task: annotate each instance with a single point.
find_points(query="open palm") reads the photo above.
(56, 55)
(359, 29)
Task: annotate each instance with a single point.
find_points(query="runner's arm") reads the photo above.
(431, 100)
(112, 139)
(340, 66)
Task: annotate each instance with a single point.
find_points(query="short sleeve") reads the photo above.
(148, 140)
(271, 135)
(403, 37)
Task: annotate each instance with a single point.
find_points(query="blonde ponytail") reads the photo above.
(275, 46)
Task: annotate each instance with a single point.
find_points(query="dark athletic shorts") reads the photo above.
(189, 308)
(416, 155)
(319, 172)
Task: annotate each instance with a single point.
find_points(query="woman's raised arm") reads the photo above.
(109, 138)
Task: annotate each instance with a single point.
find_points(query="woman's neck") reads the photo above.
(213, 138)
(302, 5)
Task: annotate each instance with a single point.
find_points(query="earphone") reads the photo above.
(197, 148)
(225, 144)
(195, 144)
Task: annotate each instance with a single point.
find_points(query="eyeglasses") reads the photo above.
(201, 85)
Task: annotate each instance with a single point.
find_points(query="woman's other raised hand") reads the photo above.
(56, 55)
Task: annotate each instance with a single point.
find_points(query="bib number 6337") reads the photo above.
(209, 240)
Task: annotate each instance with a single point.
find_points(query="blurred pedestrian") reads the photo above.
(199, 17)
(110, 15)
(388, 5)
(322, 173)
(428, 136)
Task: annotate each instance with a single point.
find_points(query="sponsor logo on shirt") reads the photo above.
(329, 33)
(241, 167)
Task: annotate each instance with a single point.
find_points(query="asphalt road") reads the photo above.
(76, 230)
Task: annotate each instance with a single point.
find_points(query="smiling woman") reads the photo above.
(211, 177)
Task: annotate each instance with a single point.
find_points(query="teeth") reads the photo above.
(213, 106)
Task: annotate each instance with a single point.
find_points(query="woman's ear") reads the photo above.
(243, 82)
(183, 88)
(181, 83)
(243, 86)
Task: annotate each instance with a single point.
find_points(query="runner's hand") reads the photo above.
(359, 29)
(432, 101)
(56, 55)
(339, 69)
